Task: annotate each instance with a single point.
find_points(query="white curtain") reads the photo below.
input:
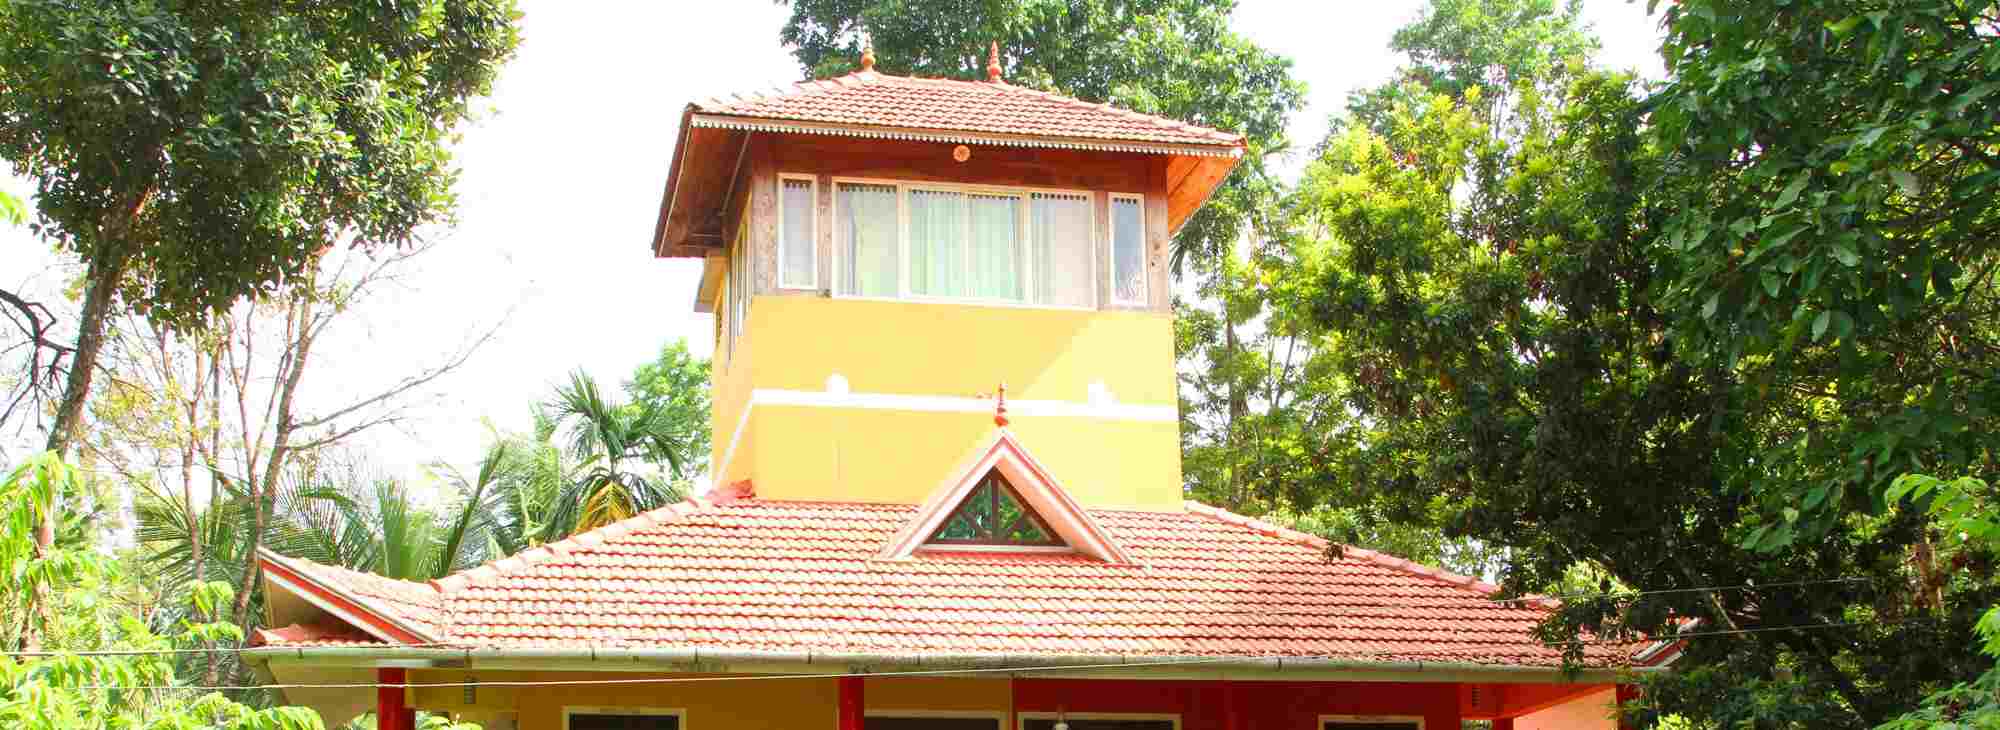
(996, 248)
(1059, 231)
(938, 243)
(867, 220)
(795, 241)
(1128, 250)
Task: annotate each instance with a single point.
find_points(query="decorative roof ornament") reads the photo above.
(1000, 407)
(993, 63)
(867, 54)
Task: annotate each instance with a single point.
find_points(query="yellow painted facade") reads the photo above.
(765, 704)
(1092, 394)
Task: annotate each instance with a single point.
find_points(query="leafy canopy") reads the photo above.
(217, 147)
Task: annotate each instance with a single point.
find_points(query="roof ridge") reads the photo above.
(588, 538)
(741, 103)
(1379, 558)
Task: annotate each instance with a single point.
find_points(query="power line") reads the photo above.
(1185, 661)
(1704, 589)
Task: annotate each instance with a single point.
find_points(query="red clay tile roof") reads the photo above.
(757, 575)
(416, 605)
(878, 100)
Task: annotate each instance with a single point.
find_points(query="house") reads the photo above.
(947, 481)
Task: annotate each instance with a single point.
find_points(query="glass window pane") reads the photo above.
(1077, 723)
(1128, 251)
(938, 243)
(1059, 232)
(866, 216)
(995, 248)
(623, 722)
(795, 240)
(931, 723)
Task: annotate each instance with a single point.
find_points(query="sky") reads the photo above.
(561, 180)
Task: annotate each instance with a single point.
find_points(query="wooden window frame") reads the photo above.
(1021, 718)
(679, 713)
(1324, 719)
(994, 543)
(812, 231)
(1025, 193)
(1111, 251)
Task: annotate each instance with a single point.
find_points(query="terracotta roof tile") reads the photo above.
(981, 107)
(751, 574)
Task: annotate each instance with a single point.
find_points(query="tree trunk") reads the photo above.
(108, 261)
(292, 365)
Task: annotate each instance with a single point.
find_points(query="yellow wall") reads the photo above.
(776, 704)
(825, 452)
(1589, 712)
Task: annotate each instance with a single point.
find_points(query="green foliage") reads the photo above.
(676, 384)
(1965, 508)
(1500, 270)
(1175, 58)
(214, 150)
(82, 590)
(1840, 233)
(602, 437)
(1455, 47)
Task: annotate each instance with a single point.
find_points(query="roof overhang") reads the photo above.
(703, 177)
(293, 595)
(618, 659)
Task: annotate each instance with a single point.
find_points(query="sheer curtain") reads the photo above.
(1059, 230)
(796, 267)
(1128, 251)
(995, 248)
(937, 243)
(867, 219)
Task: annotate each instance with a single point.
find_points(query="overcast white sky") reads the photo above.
(562, 180)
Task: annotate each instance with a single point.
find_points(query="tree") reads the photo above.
(220, 424)
(195, 155)
(1490, 267)
(1844, 234)
(676, 383)
(1175, 58)
(93, 613)
(604, 437)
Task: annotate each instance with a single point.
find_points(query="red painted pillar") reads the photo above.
(391, 712)
(1627, 694)
(853, 713)
(1232, 709)
(1503, 723)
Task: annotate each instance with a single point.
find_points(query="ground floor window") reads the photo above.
(932, 721)
(1371, 723)
(620, 718)
(1080, 721)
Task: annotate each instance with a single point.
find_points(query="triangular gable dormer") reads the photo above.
(1002, 500)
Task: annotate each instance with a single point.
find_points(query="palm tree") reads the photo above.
(604, 438)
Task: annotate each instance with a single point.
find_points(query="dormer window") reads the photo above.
(993, 514)
(933, 242)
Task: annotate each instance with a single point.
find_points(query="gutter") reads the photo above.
(753, 662)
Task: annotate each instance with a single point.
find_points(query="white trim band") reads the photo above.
(961, 404)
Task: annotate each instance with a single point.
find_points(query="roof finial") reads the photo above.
(867, 54)
(993, 63)
(1000, 407)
